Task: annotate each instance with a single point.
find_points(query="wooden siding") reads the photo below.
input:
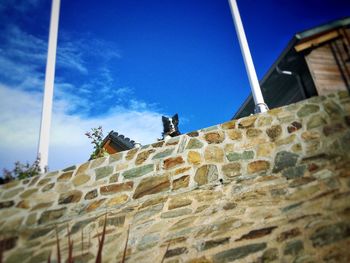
(328, 75)
(109, 148)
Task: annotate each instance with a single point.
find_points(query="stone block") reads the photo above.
(177, 202)
(131, 154)
(284, 160)
(214, 154)
(307, 109)
(257, 233)
(103, 172)
(194, 144)
(205, 174)
(238, 252)
(293, 247)
(80, 179)
(176, 213)
(116, 188)
(213, 243)
(258, 166)
(229, 125)
(294, 172)
(94, 205)
(247, 122)
(48, 187)
(231, 170)
(73, 196)
(118, 200)
(91, 194)
(194, 157)
(330, 234)
(315, 121)
(252, 132)
(181, 182)
(152, 185)
(51, 215)
(172, 162)
(138, 171)
(214, 137)
(175, 252)
(294, 126)
(246, 155)
(143, 156)
(234, 134)
(65, 176)
(274, 132)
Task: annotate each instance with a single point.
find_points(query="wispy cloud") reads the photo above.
(85, 96)
(20, 127)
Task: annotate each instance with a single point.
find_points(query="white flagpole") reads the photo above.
(43, 149)
(260, 105)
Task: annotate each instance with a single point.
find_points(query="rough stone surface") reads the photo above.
(258, 166)
(214, 137)
(80, 179)
(65, 176)
(231, 170)
(238, 253)
(329, 234)
(70, 197)
(234, 134)
(294, 172)
(116, 188)
(194, 144)
(138, 171)
(152, 185)
(91, 195)
(172, 162)
(272, 187)
(274, 131)
(163, 154)
(194, 157)
(307, 109)
(103, 172)
(294, 247)
(181, 182)
(213, 154)
(246, 155)
(247, 122)
(205, 174)
(51, 215)
(284, 160)
(294, 126)
(143, 156)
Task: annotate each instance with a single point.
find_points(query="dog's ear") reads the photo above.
(164, 119)
(176, 118)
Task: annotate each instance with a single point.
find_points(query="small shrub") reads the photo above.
(96, 137)
(21, 171)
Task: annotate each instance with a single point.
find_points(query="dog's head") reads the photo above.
(170, 125)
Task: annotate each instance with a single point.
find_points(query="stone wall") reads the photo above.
(269, 187)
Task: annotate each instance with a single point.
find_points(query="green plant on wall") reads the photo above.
(21, 171)
(96, 137)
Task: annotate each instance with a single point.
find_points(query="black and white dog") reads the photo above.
(170, 127)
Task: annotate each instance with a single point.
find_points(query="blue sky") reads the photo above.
(122, 64)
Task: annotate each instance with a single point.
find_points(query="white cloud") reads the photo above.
(79, 98)
(20, 127)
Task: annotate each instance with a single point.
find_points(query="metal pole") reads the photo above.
(43, 149)
(260, 105)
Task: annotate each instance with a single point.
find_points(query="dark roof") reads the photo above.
(290, 59)
(119, 141)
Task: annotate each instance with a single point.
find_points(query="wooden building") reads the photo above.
(115, 142)
(315, 62)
